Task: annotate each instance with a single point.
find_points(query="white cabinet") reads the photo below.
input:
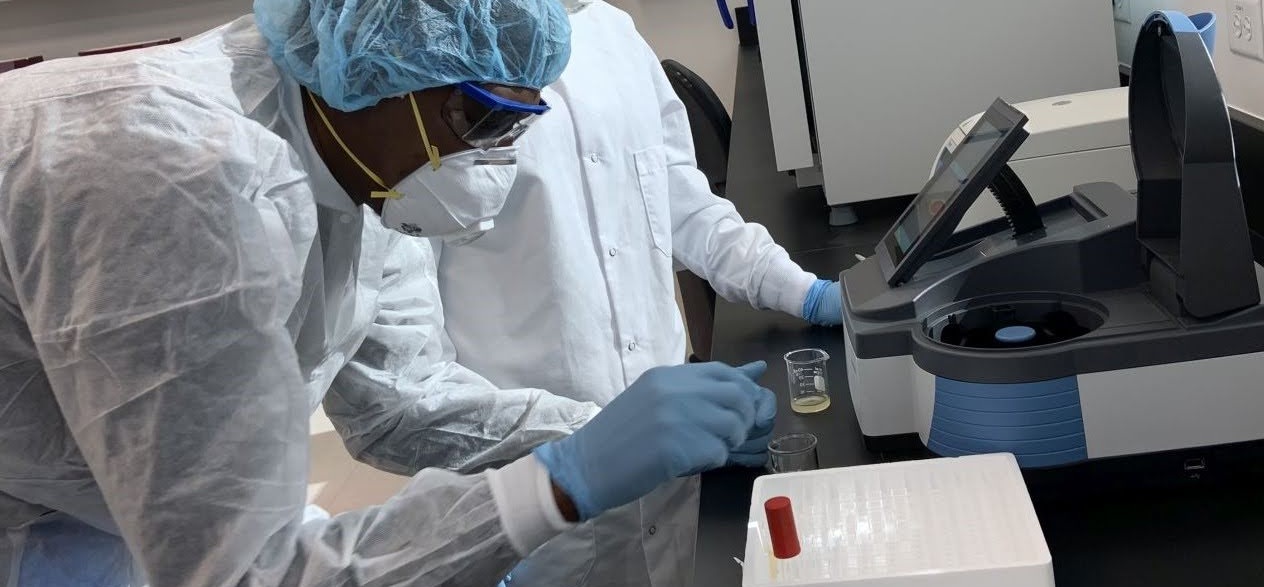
(889, 80)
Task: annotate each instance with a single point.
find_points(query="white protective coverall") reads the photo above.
(573, 293)
(180, 280)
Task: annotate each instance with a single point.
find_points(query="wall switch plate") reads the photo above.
(1246, 28)
(1123, 10)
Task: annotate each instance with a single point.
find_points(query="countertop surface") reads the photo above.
(1183, 534)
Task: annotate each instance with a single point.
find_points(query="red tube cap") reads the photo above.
(781, 530)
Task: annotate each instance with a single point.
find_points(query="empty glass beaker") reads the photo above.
(792, 452)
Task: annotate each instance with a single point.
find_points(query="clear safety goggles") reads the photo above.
(485, 120)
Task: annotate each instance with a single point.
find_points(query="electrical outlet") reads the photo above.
(1123, 10)
(1246, 28)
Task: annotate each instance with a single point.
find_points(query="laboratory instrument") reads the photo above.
(1139, 324)
(953, 522)
(792, 453)
(862, 113)
(1074, 139)
(808, 379)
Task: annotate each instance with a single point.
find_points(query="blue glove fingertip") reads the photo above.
(754, 370)
(711, 454)
(752, 461)
(765, 408)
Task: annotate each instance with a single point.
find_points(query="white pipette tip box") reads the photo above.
(955, 522)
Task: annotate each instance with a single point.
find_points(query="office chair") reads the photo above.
(128, 47)
(13, 64)
(712, 128)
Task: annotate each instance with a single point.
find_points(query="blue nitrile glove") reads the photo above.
(754, 452)
(672, 422)
(823, 305)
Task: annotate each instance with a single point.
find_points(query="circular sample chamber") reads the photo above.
(1014, 321)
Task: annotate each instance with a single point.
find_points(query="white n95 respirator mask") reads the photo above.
(456, 202)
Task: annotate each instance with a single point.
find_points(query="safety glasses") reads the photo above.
(485, 120)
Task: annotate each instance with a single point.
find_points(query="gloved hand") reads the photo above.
(754, 452)
(672, 422)
(823, 305)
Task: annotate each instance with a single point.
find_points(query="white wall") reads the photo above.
(690, 31)
(61, 28)
(1126, 32)
(1242, 78)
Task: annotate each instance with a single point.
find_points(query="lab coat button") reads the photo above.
(632, 346)
(613, 251)
(595, 158)
(653, 530)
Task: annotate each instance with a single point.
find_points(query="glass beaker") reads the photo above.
(809, 380)
(792, 452)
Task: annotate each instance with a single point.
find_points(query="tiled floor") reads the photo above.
(336, 482)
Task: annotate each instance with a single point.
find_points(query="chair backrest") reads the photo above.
(128, 47)
(12, 64)
(712, 127)
(711, 124)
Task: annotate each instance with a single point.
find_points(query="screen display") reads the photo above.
(946, 184)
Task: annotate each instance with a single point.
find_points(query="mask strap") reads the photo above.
(386, 192)
(431, 151)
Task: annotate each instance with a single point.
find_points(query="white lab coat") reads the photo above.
(180, 280)
(573, 293)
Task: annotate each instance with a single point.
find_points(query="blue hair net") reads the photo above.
(355, 53)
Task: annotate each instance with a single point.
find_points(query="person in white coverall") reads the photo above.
(570, 298)
(193, 243)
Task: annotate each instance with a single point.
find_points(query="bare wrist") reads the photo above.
(565, 504)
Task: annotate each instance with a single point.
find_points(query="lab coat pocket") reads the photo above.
(651, 176)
